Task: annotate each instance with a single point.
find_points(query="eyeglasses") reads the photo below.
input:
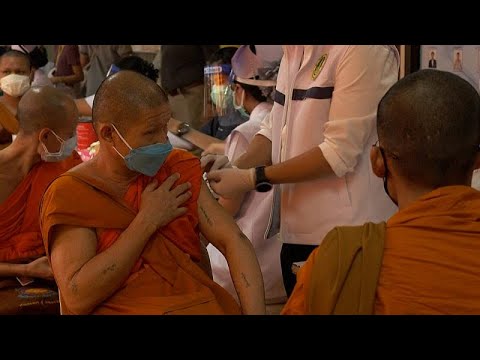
(382, 149)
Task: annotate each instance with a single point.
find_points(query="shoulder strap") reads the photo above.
(346, 271)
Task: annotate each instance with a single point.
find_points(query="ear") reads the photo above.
(43, 135)
(376, 159)
(105, 132)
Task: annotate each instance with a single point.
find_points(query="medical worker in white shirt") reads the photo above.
(316, 144)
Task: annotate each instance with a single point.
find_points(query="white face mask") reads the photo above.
(66, 149)
(240, 108)
(15, 85)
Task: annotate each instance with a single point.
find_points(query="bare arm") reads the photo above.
(84, 60)
(259, 152)
(237, 146)
(232, 205)
(221, 230)
(85, 278)
(307, 166)
(195, 137)
(70, 79)
(39, 268)
(7, 269)
(83, 108)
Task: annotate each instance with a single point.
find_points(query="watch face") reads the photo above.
(264, 187)
(183, 129)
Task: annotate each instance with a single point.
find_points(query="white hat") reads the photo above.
(29, 48)
(253, 64)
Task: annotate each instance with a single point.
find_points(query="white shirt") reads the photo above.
(342, 122)
(253, 219)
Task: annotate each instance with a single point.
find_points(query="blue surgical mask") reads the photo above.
(240, 107)
(146, 160)
(66, 149)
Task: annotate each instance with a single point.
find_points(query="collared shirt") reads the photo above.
(327, 96)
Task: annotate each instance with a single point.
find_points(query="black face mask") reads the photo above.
(385, 178)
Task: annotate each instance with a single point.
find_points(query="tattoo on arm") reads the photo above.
(74, 286)
(247, 284)
(209, 221)
(110, 268)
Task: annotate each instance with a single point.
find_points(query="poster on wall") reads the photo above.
(462, 60)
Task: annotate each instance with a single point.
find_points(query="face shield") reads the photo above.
(256, 68)
(217, 97)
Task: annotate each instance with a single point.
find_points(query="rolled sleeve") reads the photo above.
(266, 127)
(363, 76)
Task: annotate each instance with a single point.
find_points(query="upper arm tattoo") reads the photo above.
(205, 215)
(247, 284)
(74, 286)
(110, 268)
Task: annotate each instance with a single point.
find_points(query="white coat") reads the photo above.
(327, 96)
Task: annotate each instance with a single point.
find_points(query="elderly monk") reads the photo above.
(15, 77)
(426, 258)
(42, 151)
(108, 227)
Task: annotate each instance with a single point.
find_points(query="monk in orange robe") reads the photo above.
(122, 239)
(426, 258)
(42, 151)
(16, 75)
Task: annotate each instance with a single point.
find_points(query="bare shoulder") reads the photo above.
(10, 176)
(85, 168)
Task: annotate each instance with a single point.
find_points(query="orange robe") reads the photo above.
(166, 278)
(296, 303)
(8, 126)
(431, 261)
(431, 258)
(20, 237)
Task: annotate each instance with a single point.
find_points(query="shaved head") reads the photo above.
(46, 107)
(430, 121)
(16, 54)
(123, 98)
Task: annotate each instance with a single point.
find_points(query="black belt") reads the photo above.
(299, 94)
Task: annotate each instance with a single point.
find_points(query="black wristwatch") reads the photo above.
(262, 184)
(183, 129)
